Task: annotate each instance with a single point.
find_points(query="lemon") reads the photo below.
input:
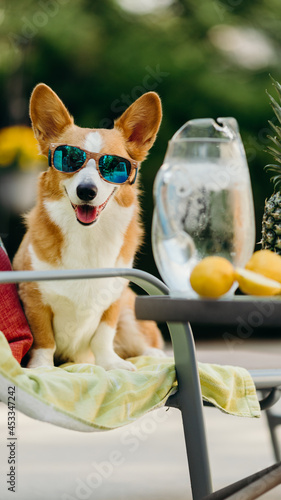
(266, 263)
(255, 284)
(212, 277)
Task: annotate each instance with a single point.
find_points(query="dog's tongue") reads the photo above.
(86, 213)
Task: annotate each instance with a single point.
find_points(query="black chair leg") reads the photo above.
(273, 422)
(189, 400)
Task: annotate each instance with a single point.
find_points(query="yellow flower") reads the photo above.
(19, 144)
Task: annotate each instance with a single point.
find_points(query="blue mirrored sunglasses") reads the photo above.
(111, 168)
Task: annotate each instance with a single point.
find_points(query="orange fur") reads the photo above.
(137, 125)
(142, 333)
(132, 240)
(39, 315)
(49, 116)
(111, 315)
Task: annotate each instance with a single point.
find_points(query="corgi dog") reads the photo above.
(87, 215)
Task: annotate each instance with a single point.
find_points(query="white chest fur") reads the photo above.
(79, 305)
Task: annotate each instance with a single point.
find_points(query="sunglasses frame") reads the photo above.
(95, 156)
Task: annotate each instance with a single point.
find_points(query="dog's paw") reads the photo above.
(41, 357)
(115, 362)
(123, 365)
(154, 352)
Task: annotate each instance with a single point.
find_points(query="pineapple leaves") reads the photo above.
(276, 155)
(276, 179)
(275, 149)
(275, 106)
(277, 86)
(276, 129)
(275, 141)
(274, 152)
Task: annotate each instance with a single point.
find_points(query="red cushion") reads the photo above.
(13, 322)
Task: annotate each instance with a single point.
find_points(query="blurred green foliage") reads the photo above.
(205, 59)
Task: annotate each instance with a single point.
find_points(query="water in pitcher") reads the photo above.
(210, 213)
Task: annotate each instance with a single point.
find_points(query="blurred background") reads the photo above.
(205, 59)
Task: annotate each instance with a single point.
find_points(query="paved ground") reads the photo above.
(144, 461)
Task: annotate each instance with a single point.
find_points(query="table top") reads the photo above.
(242, 310)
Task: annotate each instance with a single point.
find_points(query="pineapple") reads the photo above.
(271, 222)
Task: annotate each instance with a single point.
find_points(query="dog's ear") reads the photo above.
(49, 116)
(139, 124)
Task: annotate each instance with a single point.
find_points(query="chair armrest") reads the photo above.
(146, 281)
(267, 380)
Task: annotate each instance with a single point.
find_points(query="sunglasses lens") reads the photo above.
(114, 168)
(68, 158)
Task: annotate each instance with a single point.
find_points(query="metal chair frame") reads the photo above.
(188, 398)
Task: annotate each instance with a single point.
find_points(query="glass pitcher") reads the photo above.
(203, 201)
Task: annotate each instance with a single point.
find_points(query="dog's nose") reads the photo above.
(87, 192)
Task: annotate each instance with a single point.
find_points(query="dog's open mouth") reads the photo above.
(88, 214)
